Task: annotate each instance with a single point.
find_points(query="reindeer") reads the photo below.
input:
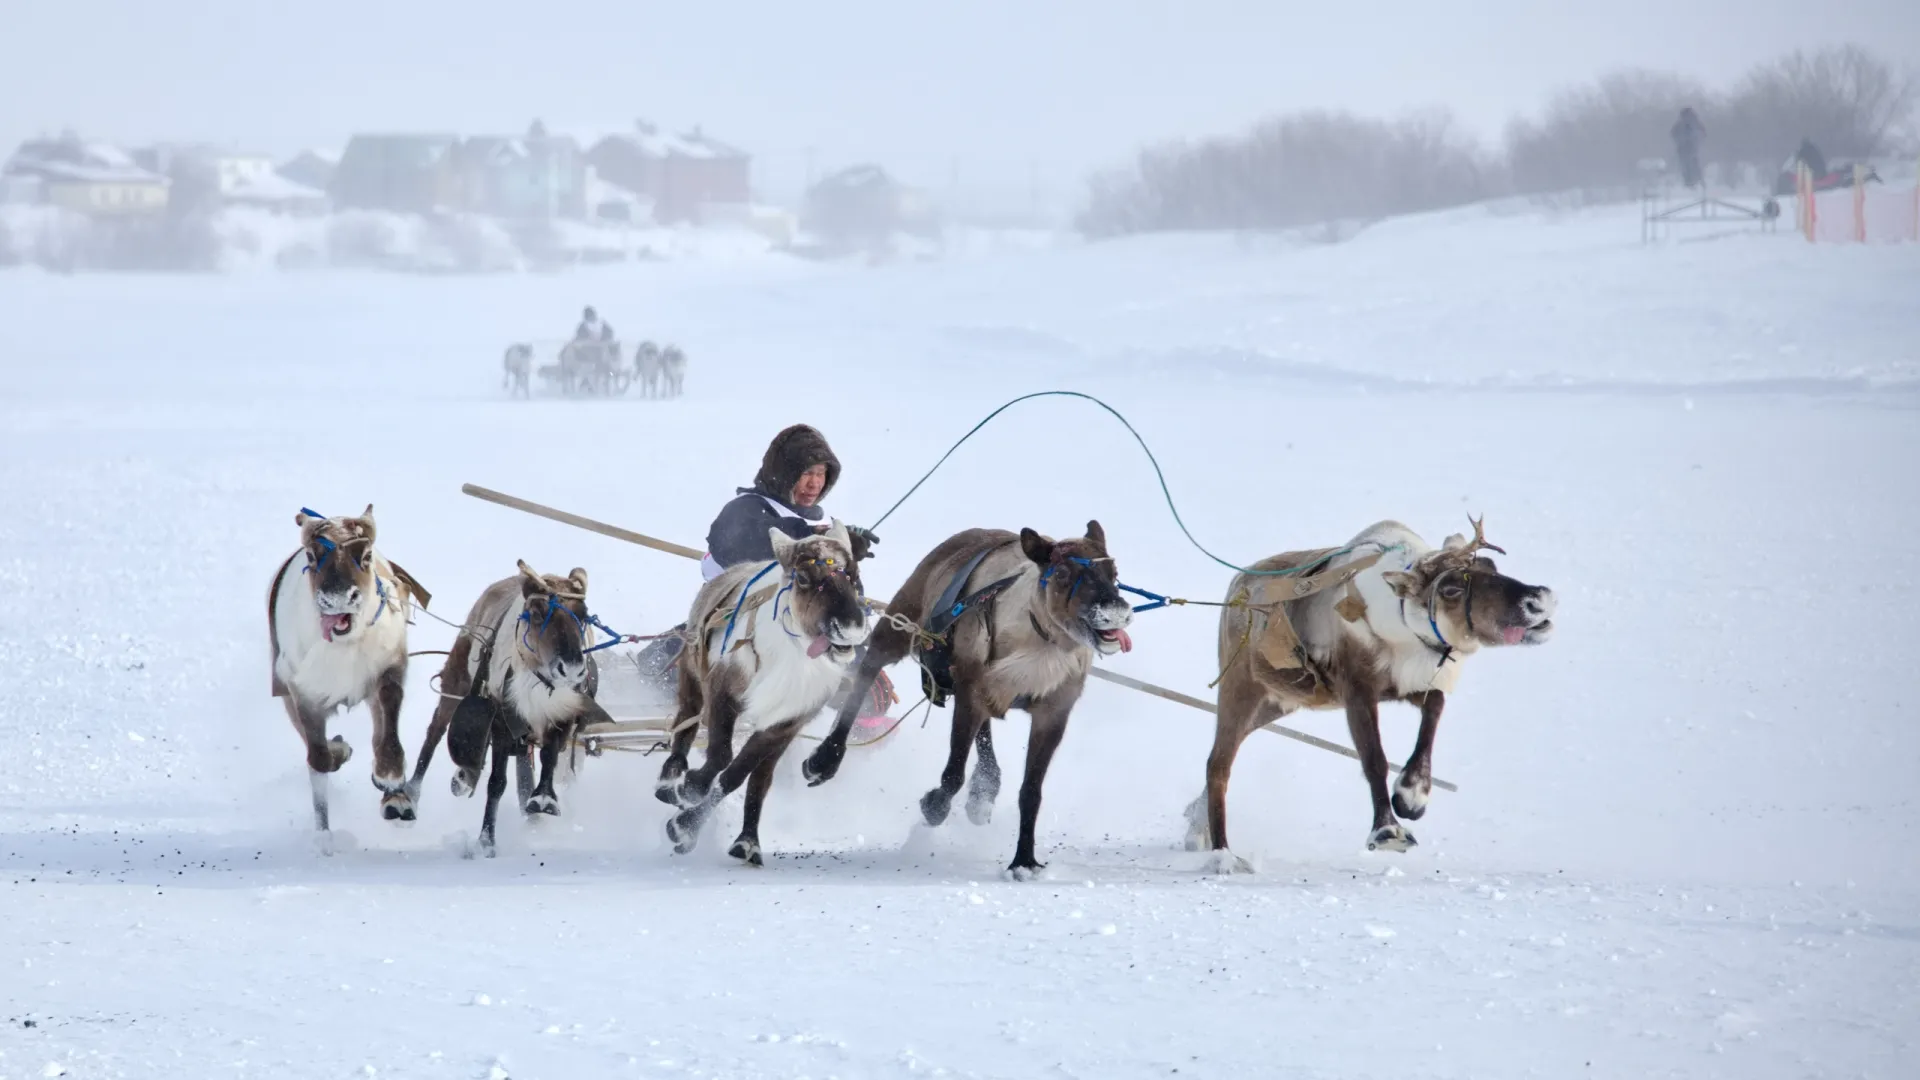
(646, 362)
(338, 634)
(1406, 619)
(518, 365)
(673, 365)
(768, 646)
(519, 676)
(1045, 609)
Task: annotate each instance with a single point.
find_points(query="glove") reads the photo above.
(863, 542)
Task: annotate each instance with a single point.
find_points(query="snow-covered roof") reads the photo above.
(655, 142)
(80, 161)
(272, 187)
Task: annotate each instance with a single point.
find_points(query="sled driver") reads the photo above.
(796, 473)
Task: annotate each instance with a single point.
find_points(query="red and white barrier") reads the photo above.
(1861, 214)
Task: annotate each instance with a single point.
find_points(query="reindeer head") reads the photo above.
(553, 628)
(1078, 588)
(823, 596)
(339, 570)
(1469, 601)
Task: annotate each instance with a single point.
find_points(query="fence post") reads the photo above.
(1803, 192)
(1859, 203)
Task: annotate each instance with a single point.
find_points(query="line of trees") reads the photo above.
(1318, 166)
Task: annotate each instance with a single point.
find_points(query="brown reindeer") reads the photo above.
(337, 628)
(769, 644)
(519, 677)
(1385, 618)
(1018, 618)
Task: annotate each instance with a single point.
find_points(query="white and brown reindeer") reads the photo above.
(1021, 618)
(662, 370)
(646, 365)
(519, 677)
(1384, 618)
(769, 645)
(517, 366)
(337, 626)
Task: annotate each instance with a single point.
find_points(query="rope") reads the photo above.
(1160, 475)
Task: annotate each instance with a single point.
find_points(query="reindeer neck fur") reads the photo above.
(343, 672)
(512, 683)
(1032, 653)
(766, 658)
(1394, 638)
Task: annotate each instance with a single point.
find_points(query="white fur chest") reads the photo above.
(1412, 663)
(782, 681)
(539, 703)
(340, 673)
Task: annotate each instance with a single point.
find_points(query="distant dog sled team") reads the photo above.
(998, 620)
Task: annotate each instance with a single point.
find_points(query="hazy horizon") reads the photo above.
(994, 90)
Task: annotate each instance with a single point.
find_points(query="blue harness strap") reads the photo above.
(726, 638)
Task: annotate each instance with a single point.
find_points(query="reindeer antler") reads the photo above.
(1479, 540)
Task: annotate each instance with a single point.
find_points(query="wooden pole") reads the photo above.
(670, 548)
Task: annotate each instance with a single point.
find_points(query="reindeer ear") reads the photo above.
(1037, 547)
(578, 575)
(302, 519)
(530, 582)
(1097, 534)
(1404, 585)
(783, 546)
(839, 535)
(1454, 542)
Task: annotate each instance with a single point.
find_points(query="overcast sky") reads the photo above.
(996, 84)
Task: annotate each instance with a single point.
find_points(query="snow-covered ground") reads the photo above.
(1676, 849)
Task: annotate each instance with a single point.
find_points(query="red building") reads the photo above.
(680, 173)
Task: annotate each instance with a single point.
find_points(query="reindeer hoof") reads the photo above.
(747, 851)
(543, 804)
(820, 766)
(683, 829)
(1027, 871)
(341, 752)
(1409, 801)
(980, 809)
(935, 805)
(1222, 861)
(464, 781)
(1390, 838)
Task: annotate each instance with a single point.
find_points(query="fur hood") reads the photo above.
(791, 453)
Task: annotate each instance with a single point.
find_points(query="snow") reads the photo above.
(1675, 849)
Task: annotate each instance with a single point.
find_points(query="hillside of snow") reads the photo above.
(1674, 850)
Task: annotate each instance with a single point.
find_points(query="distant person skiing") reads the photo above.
(1687, 133)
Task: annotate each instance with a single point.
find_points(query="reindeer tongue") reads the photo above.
(816, 647)
(331, 623)
(1126, 642)
(1514, 634)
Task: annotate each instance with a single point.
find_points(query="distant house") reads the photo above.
(88, 177)
(310, 168)
(864, 205)
(415, 174)
(679, 173)
(532, 177)
(274, 192)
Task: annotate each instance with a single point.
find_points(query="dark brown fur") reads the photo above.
(1030, 649)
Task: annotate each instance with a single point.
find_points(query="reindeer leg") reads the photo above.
(686, 726)
(389, 758)
(502, 747)
(824, 763)
(764, 746)
(436, 730)
(984, 788)
(1049, 727)
(324, 755)
(543, 800)
(1363, 723)
(1207, 818)
(523, 775)
(1415, 786)
(968, 714)
(747, 845)
(723, 710)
